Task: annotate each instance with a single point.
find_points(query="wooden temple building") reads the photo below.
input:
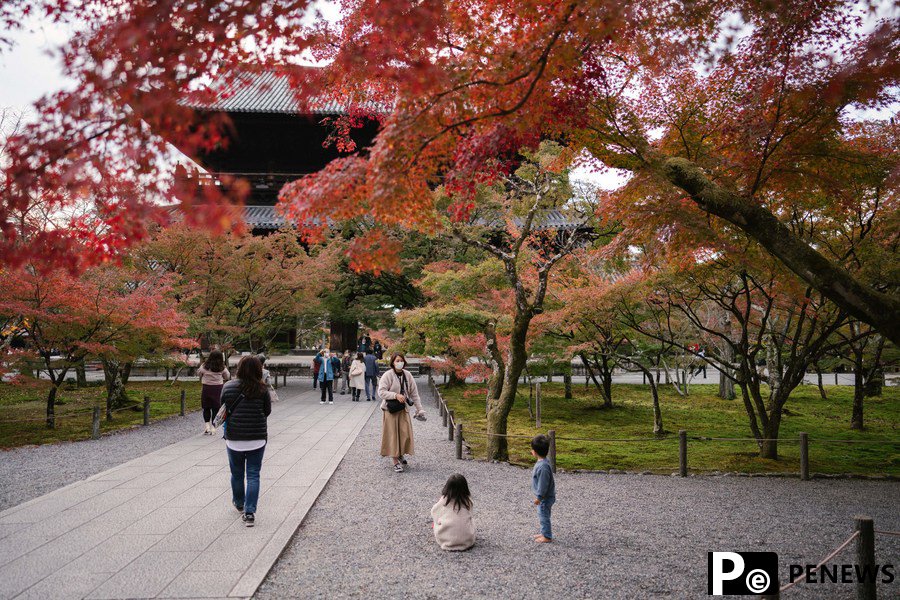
(273, 141)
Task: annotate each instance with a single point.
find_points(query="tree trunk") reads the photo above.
(80, 374)
(768, 447)
(498, 412)
(116, 396)
(878, 309)
(819, 381)
(859, 393)
(126, 372)
(658, 428)
(874, 384)
(567, 383)
(726, 387)
(51, 406)
(605, 371)
(344, 335)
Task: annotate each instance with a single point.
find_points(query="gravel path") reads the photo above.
(33, 471)
(617, 536)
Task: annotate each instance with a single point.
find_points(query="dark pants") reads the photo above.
(208, 414)
(356, 392)
(252, 460)
(327, 386)
(315, 380)
(373, 381)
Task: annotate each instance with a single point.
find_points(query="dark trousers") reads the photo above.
(208, 414)
(373, 381)
(356, 392)
(315, 380)
(327, 386)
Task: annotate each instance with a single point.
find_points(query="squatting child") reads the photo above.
(452, 516)
(543, 486)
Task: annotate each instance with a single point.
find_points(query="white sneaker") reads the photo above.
(206, 430)
(331, 402)
(321, 402)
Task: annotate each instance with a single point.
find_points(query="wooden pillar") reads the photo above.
(865, 557)
(95, 424)
(682, 453)
(182, 402)
(459, 440)
(551, 455)
(146, 410)
(804, 456)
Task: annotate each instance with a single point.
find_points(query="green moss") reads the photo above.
(701, 414)
(23, 409)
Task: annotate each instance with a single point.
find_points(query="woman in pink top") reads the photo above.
(213, 375)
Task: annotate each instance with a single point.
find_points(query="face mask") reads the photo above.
(399, 365)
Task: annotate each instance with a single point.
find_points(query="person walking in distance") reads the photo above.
(377, 350)
(247, 406)
(213, 374)
(371, 375)
(328, 367)
(346, 360)
(397, 389)
(357, 376)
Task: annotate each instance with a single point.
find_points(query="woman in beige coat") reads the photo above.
(397, 385)
(357, 376)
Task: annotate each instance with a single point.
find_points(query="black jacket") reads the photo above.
(247, 418)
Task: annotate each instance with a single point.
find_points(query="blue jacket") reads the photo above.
(542, 483)
(328, 367)
(371, 365)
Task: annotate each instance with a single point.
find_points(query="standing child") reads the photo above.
(213, 374)
(543, 486)
(452, 516)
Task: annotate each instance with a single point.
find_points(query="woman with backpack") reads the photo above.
(247, 406)
(213, 374)
(397, 389)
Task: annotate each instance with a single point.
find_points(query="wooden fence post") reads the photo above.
(444, 413)
(682, 453)
(804, 456)
(276, 380)
(183, 403)
(95, 424)
(167, 373)
(146, 410)
(865, 557)
(537, 404)
(551, 455)
(459, 441)
(450, 426)
(835, 378)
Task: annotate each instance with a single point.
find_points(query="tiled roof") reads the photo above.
(262, 217)
(255, 90)
(265, 217)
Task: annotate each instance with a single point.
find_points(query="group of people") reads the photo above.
(248, 403)
(356, 373)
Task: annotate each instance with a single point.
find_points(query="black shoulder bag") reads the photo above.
(395, 406)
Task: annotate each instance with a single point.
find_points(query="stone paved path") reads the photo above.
(162, 525)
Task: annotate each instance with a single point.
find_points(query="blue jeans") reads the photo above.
(253, 460)
(544, 509)
(374, 382)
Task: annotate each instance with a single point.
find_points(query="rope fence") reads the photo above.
(97, 410)
(455, 433)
